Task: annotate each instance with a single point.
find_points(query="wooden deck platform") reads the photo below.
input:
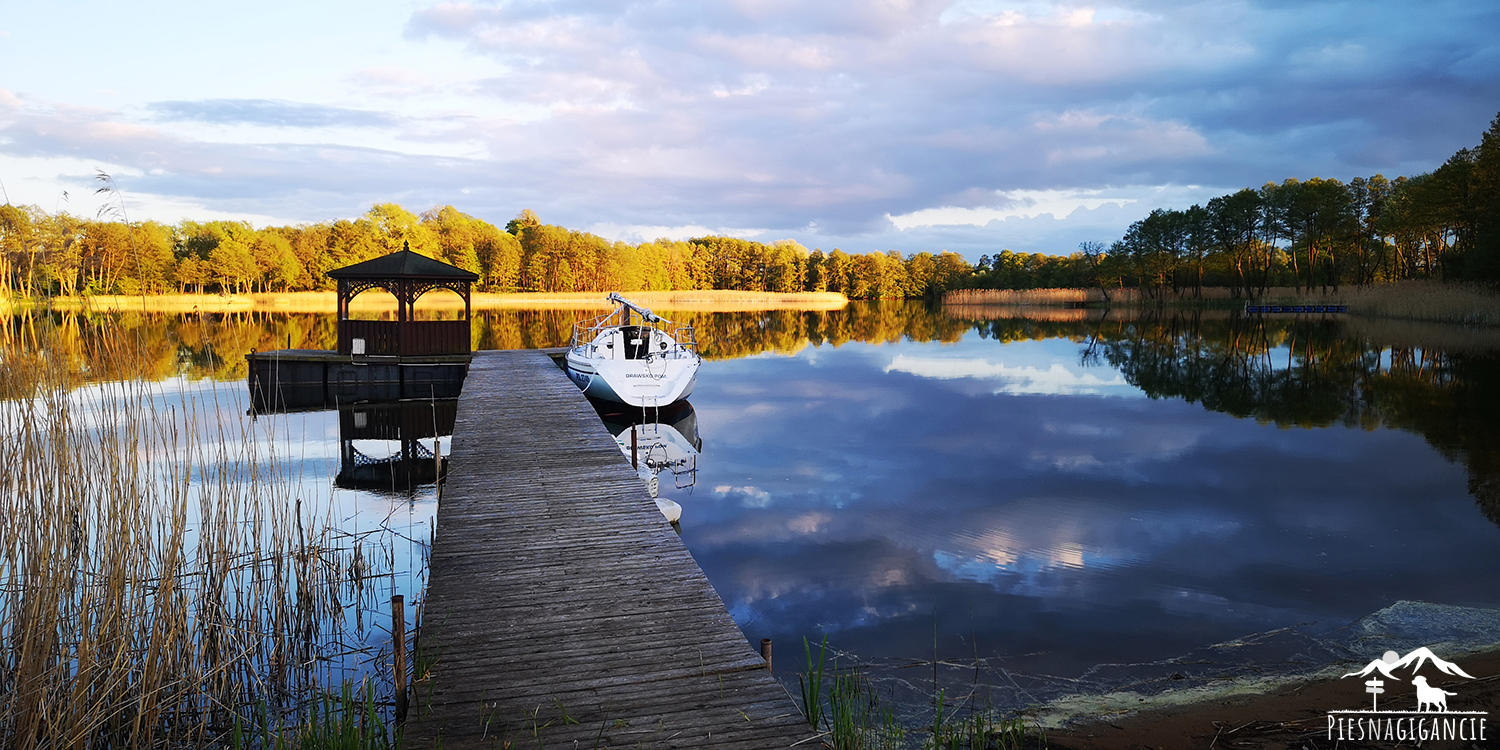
(562, 610)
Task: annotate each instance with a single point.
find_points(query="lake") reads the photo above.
(1043, 502)
(1047, 498)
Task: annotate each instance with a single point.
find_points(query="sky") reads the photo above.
(909, 125)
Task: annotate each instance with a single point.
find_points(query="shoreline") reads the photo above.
(1466, 304)
(1285, 715)
(705, 300)
(1263, 709)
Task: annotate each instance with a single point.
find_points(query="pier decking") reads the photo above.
(562, 610)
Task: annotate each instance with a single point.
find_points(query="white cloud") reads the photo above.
(1055, 379)
(1024, 204)
(750, 497)
(1042, 221)
(645, 233)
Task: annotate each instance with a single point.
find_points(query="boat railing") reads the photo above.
(691, 472)
(686, 337)
(585, 332)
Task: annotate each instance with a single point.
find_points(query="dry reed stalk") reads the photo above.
(991, 311)
(160, 574)
(1431, 301)
(1015, 296)
(707, 300)
(1428, 301)
(1125, 296)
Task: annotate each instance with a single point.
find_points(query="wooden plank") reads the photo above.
(562, 610)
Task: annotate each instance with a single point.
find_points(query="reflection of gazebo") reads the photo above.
(407, 275)
(406, 423)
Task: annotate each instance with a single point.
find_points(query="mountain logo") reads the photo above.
(1391, 661)
(1429, 719)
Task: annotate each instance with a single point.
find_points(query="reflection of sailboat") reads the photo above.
(658, 442)
(405, 424)
(633, 359)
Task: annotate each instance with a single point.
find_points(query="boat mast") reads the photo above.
(646, 315)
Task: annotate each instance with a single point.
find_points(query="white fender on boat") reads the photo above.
(671, 510)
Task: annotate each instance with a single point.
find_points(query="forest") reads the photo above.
(1316, 233)
(60, 254)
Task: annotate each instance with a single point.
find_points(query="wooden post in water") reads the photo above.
(633, 443)
(765, 652)
(437, 464)
(398, 645)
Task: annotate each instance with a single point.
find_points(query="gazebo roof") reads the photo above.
(403, 264)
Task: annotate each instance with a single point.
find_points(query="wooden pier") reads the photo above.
(562, 610)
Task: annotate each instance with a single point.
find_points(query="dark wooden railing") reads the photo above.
(408, 338)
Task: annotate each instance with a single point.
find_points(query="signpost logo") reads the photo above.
(1420, 716)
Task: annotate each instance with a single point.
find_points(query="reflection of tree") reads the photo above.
(1310, 373)
(154, 346)
(726, 335)
(164, 345)
(1290, 372)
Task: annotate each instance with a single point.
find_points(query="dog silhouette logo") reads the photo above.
(1436, 698)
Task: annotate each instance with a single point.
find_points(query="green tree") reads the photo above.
(277, 267)
(499, 259)
(396, 228)
(1234, 222)
(527, 218)
(18, 247)
(232, 265)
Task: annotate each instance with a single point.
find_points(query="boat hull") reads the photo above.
(634, 382)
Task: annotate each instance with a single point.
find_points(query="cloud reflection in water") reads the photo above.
(862, 490)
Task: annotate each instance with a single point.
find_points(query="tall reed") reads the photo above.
(161, 573)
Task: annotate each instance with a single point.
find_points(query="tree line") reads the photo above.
(45, 255)
(1317, 233)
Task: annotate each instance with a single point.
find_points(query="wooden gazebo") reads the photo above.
(407, 275)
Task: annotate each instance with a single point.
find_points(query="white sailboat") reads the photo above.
(629, 356)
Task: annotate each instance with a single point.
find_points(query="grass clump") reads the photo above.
(842, 705)
(332, 721)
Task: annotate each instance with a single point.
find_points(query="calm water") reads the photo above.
(1028, 499)
(1101, 493)
(1052, 510)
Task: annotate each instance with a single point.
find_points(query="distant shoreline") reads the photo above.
(707, 300)
(1475, 305)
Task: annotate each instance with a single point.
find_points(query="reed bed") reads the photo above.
(1016, 296)
(1417, 300)
(164, 578)
(376, 302)
(1093, 296)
